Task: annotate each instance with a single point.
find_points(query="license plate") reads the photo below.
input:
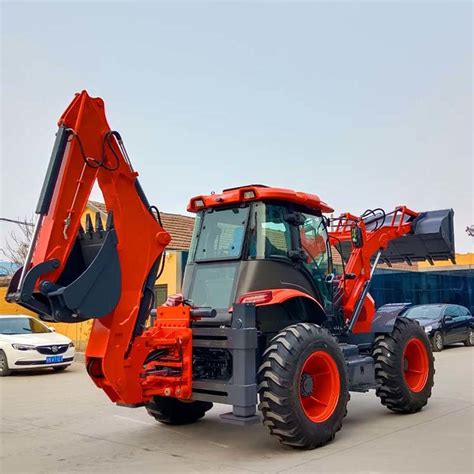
(54, 359)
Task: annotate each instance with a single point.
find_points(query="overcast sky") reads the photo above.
(365, 104)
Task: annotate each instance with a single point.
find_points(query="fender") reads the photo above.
(385, 317)
(275, 296)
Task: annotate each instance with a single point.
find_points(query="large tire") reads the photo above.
(172, 411)
(4, 370)
(404, 367)
(469, 342)
(300, 411)
(438, 342)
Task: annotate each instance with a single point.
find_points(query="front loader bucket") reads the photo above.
(431, 239)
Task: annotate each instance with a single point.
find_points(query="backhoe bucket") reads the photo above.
(89, 286)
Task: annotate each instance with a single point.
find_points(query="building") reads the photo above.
(443, 282)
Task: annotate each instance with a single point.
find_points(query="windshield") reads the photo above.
(21, 325)
(424, 312)
(219, 234)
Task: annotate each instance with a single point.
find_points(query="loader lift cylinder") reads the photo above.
(365, 290)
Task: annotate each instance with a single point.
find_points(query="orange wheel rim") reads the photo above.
(319, 386)
(415, 365)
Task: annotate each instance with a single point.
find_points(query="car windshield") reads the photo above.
(21, 325)
(424, 312)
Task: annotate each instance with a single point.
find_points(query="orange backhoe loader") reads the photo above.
(265, 313)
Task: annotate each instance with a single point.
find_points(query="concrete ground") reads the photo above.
(59, 422)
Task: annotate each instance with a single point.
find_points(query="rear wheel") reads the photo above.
(172, 411)
(4, 370)
(437, 342)
(303, 386)
(404, 367)
(470, 339)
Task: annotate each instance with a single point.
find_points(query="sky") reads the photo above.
(365, 104)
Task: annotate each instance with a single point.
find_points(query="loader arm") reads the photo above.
(402, 235)
(106, 271)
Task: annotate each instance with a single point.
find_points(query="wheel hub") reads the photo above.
(415, 364)
(306, 385)
(319, 386)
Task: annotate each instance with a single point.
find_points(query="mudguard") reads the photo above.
(385, 317)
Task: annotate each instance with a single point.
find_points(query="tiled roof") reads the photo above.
(180, 227)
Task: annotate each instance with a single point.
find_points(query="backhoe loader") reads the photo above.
(265, 315)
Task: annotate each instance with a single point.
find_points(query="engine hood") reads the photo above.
(428, 322)
(35, 339)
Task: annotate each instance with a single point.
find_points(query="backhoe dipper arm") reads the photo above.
(106, 272)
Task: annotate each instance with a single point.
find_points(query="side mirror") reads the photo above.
(356, 236)
(448, 318)
(51, 329)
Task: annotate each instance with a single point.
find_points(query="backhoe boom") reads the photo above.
(106, 271)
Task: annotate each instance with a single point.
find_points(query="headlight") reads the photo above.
(428, 328)
(23, 347)
(71, 344)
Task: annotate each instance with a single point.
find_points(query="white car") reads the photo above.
(26, 343)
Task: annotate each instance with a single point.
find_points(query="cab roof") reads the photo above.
(257, 192)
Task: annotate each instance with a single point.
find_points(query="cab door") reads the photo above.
(313, 240)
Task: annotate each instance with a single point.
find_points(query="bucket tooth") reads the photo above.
(99, 226)
(89, 224)
(110, 220)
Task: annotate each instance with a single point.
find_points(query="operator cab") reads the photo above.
(255, 239)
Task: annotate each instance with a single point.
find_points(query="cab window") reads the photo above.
(314, 238)
(314, 242)
(271, 234)
(219, 234)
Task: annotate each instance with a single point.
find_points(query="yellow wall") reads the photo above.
(79, 332)
(463, 260)
(170, 275)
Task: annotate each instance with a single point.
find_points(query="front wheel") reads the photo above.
(172, 411)
(404, 367)
(438, 342)
(4, 370)
(303, 386)
(469, 342)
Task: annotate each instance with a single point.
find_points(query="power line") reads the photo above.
(16, 222)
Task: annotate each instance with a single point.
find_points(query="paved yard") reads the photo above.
(59, 422)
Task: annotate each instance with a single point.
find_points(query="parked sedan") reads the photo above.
(444, 323)
(26, 343)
